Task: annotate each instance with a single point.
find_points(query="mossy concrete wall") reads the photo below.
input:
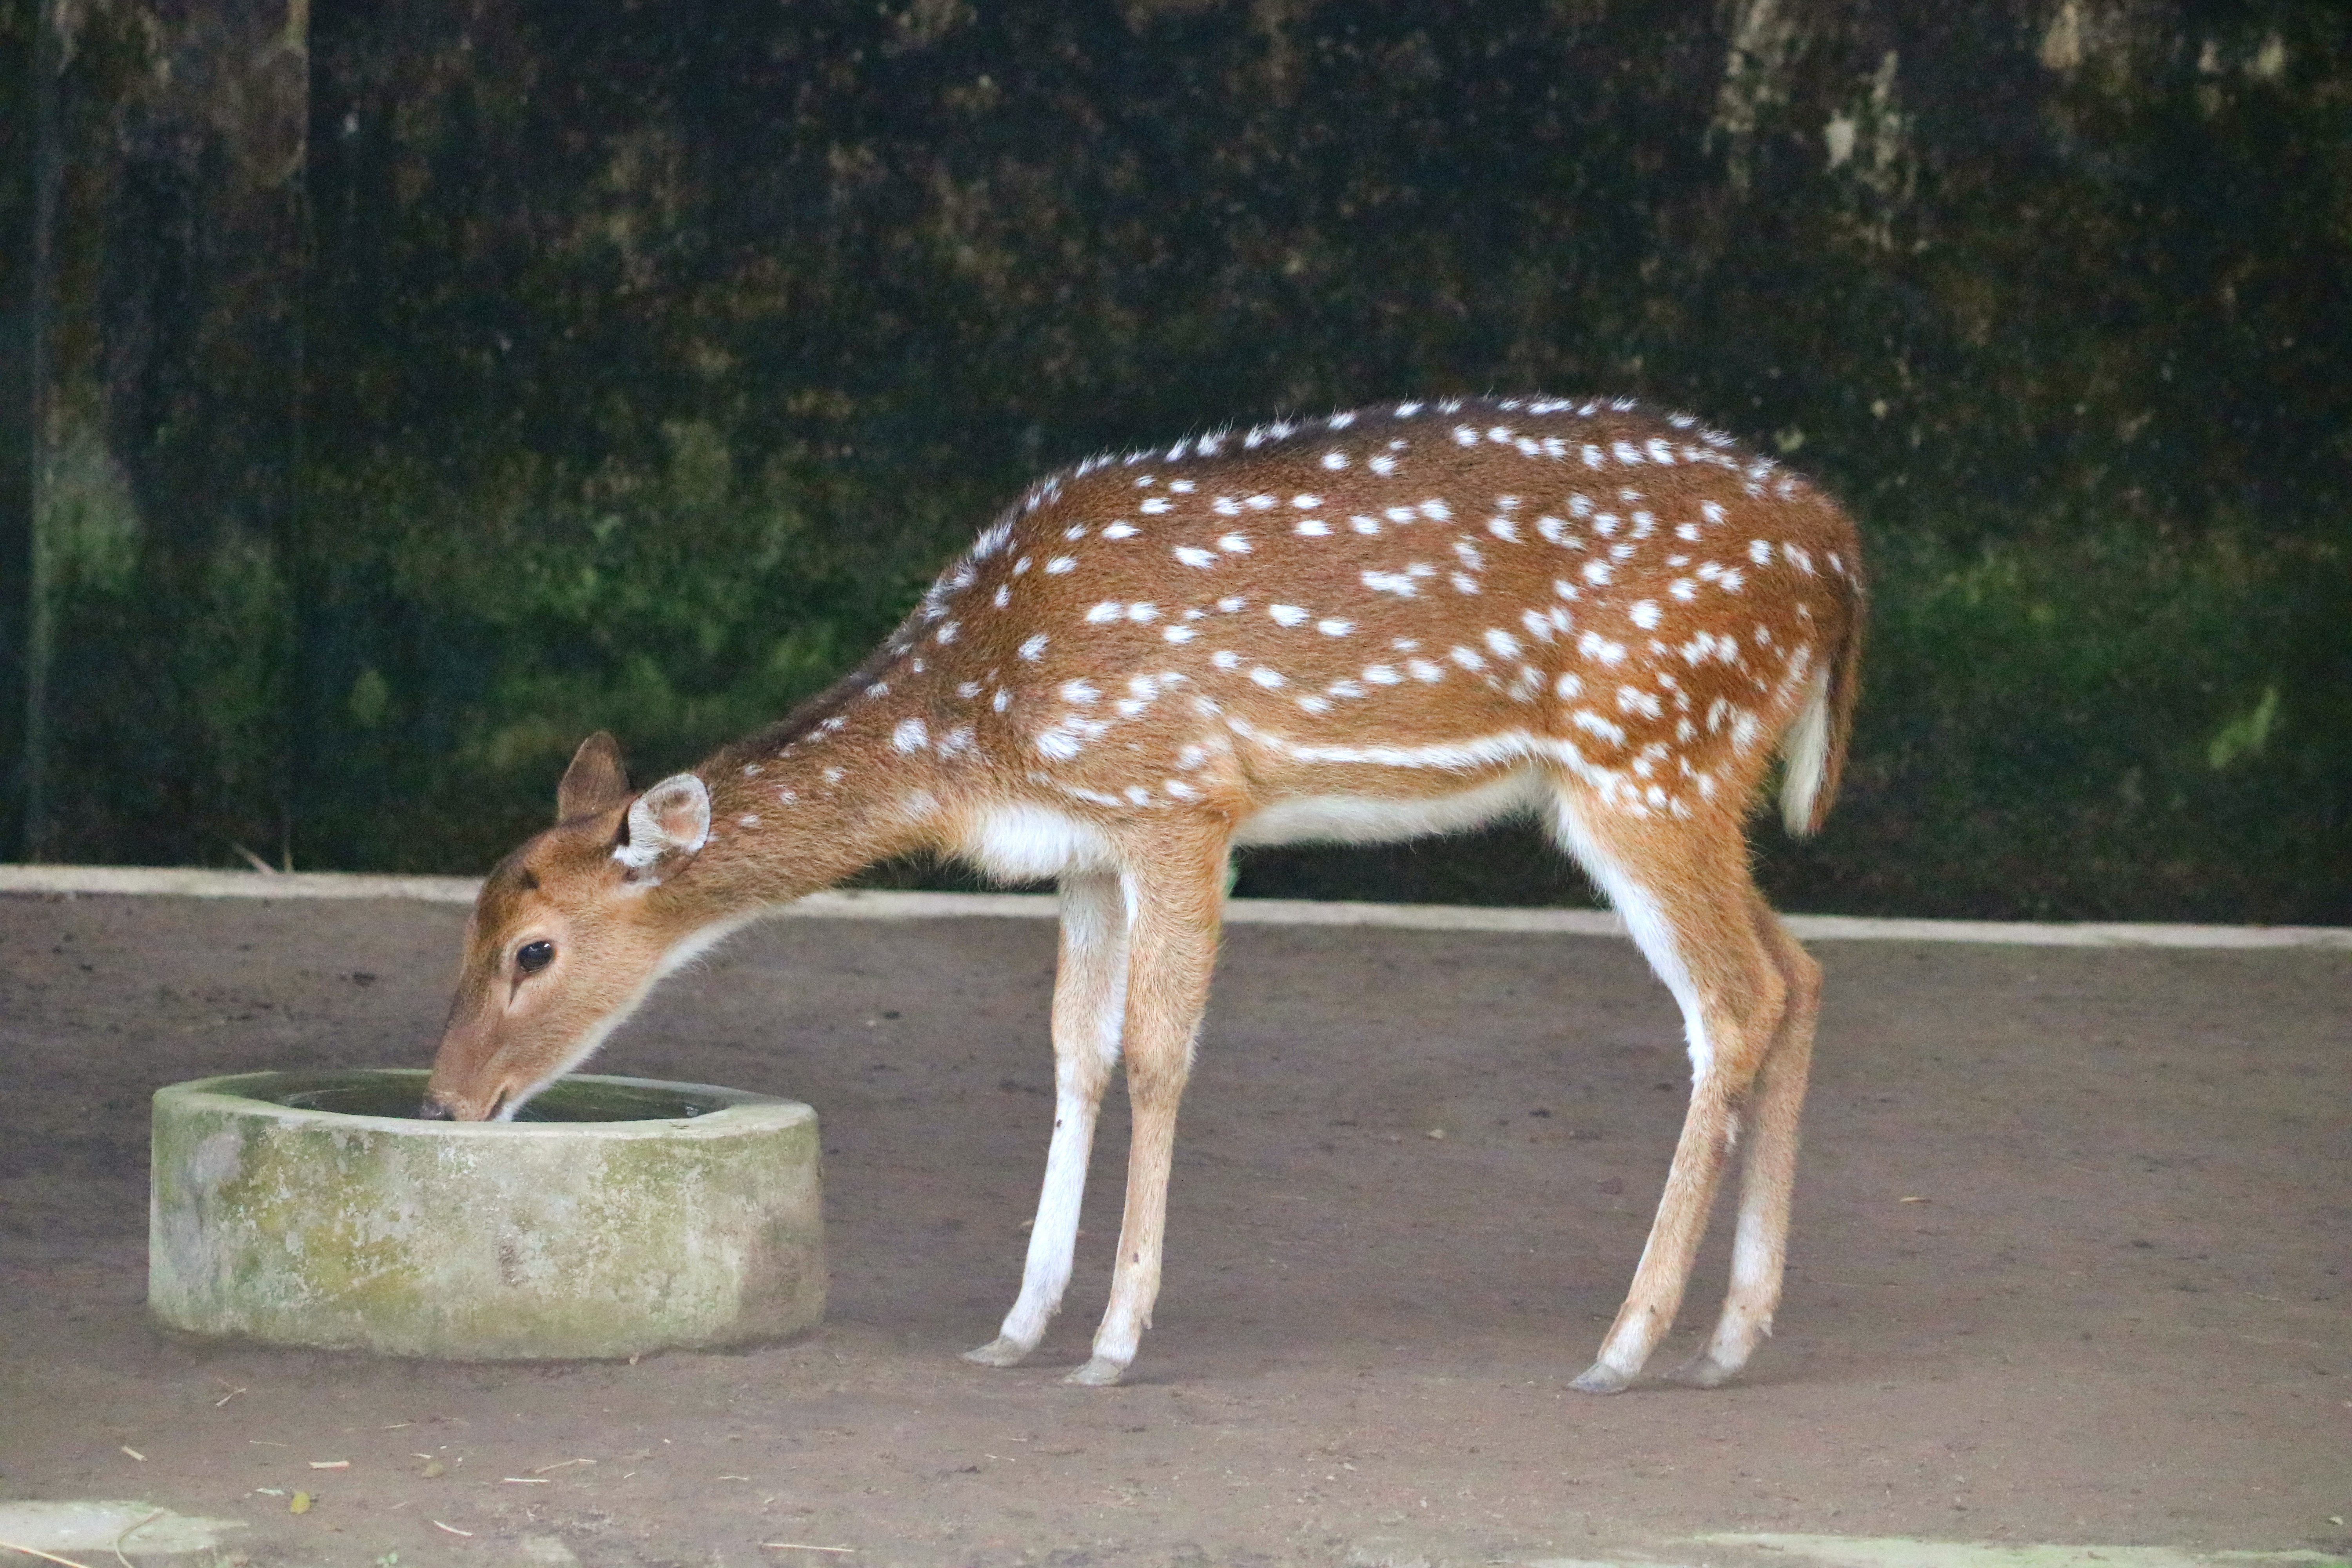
(482, 1241)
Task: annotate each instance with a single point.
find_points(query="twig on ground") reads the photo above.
(133, 1531)
(804, 1546)
(37, 1552)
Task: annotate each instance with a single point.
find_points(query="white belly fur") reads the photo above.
(1373, 819)
(1025, 843)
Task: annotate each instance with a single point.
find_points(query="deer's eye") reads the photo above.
(534, 956)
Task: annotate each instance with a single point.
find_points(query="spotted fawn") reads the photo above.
(1403, 620)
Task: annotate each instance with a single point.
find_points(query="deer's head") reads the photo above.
(567, 936)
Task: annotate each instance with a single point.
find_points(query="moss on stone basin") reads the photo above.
(311, 1209)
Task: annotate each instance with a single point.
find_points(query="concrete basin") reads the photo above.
(625, 1216)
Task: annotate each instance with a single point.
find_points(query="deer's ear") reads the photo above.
(594, 782)
(667, 826)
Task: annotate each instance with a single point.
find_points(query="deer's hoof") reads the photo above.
(998, 1352)
(1602, 1378)
(1096, 1373)
(1703, 1370)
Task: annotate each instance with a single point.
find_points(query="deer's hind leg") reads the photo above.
(1759, 1244)
(1090, 1009)
(1684, 889)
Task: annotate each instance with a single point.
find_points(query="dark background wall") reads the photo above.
(401, 390)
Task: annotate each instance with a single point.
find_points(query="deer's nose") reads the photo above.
(432, 1110)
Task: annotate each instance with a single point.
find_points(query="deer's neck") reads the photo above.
(806, 803)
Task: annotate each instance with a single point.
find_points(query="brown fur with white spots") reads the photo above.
(1400, 621)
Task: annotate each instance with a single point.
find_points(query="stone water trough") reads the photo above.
(626, 1216)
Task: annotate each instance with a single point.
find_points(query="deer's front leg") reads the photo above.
(1173, 911)
(1089, 1005)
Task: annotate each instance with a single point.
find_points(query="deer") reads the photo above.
(1402, 620)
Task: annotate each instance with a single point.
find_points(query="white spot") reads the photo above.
(1225, 506)
(1102, 614)
(1467, 657)
(1363, 524)
(1078, 691)
(1313, 528)
(748, 821)
(1504, 529)
(1061, 563)
(1683, 588)
(1435, 509)
(1421, 669)
(1463, 582)
(1331, 626)
(1122, 529)
(1143, 613)
(1178, 634)
(1287, 615)
(1234, 544)
(1381, 674)
(1156, 504)
(1179, 790)
(910, 735)
(1315, 704)
(1226, 658)
(1266, 677)
(1711, 511)
(1305, 503)
(1194, 555)
(1644, 613)
(1232, 606)
(1032, 646)
(1597, 573)
(1633, 699)
(946, 634)
(1181, 487)
(1587, 720)
(1502, 643)
(1003, 594)
(1401, 584)
(1566, 686)
(1593, 645)
(1761, 551)
(1258, 502)
(1383, 465)
(1058, 743)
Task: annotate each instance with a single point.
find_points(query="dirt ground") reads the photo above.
(2071, 1264)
